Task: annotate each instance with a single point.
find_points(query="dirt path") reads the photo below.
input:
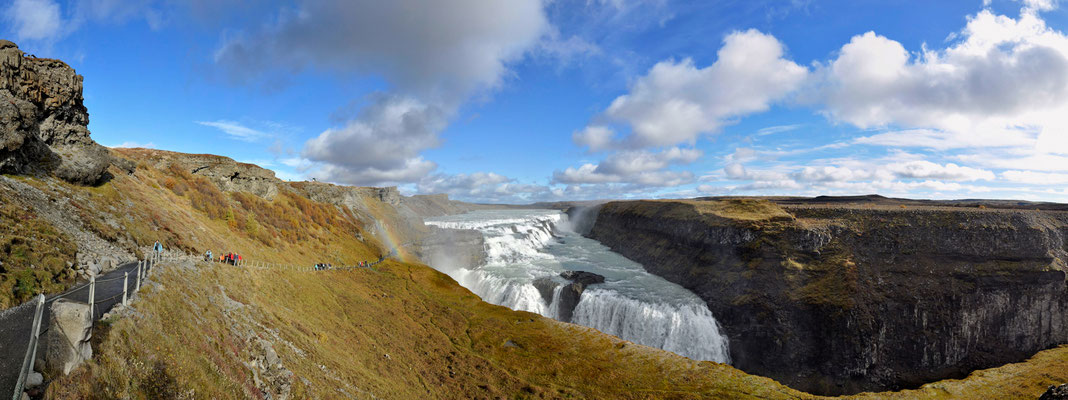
(15, 322)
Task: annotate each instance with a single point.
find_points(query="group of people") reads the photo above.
(361, 264)
(229, 258)
(235, 259)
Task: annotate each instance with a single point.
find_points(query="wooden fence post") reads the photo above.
(137, 286)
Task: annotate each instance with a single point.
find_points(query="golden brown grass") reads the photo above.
(732, 209)
(33, 255)
(401, 331)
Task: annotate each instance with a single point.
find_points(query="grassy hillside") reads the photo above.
(402, 330)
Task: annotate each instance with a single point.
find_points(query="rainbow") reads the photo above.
(391, 241)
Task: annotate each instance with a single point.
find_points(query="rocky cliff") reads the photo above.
(43, 123)
(844, 298)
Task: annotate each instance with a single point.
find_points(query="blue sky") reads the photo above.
(531, 100)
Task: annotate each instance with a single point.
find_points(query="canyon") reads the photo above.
(843, 295)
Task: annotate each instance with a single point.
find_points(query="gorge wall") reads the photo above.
(842, 298)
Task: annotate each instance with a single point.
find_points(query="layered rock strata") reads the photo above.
(43, 122)
(848, 298)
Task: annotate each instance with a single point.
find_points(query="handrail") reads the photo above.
(31, 351)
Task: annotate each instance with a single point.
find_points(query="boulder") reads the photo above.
(34, 379)
(582, 277)
(570, 294)
(43, 121)
(1056, 393)
(546, 286)
(67, 339)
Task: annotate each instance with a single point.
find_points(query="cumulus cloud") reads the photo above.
(484, 186)
(930, 170)
(382, 145)
(676, 101)
(737, 171)
(635, 166)
(1004, 83)
(595, 137)
(435, 55)
(35, 19)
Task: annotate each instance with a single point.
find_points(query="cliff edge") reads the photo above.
(843, 298)
(43, 123)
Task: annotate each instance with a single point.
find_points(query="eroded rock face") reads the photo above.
(570, 294)
(43, 123)
(835, 300)
(224, 172)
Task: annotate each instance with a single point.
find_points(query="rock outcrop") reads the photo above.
(224, 172)
(67, 340)
(43, 123)
(570, 293)
(1056, 393)
(843, 298)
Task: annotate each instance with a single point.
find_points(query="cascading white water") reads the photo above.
(524, 245)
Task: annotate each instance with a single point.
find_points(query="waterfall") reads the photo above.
(525, 245)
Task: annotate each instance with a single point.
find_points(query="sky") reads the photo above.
(521, 101)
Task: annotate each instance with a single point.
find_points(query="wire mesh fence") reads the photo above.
(132, 284)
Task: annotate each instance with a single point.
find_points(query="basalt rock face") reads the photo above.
(43, 123)
(842, 299)
(570, 294)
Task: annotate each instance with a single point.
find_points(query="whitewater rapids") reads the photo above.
(523, 245)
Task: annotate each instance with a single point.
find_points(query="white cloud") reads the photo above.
(410, 170)
(738, 172)
(46, 20)
(1032, 6)
(676, 101)
(771, 130)
(1005, 83)
(832, 174)
(435, 55)
(129, 144)
(236, 130)
(483, 186)
(942, 140)
(35, 19)
(380, 146)
(1022, 159)
(927, 169)
(635, 167)
(440, 50)
(1035, 178)
(595, 137)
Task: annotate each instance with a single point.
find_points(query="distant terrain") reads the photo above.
(70, 208)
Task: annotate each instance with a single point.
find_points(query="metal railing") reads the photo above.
(143, 267)
(31, 351)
